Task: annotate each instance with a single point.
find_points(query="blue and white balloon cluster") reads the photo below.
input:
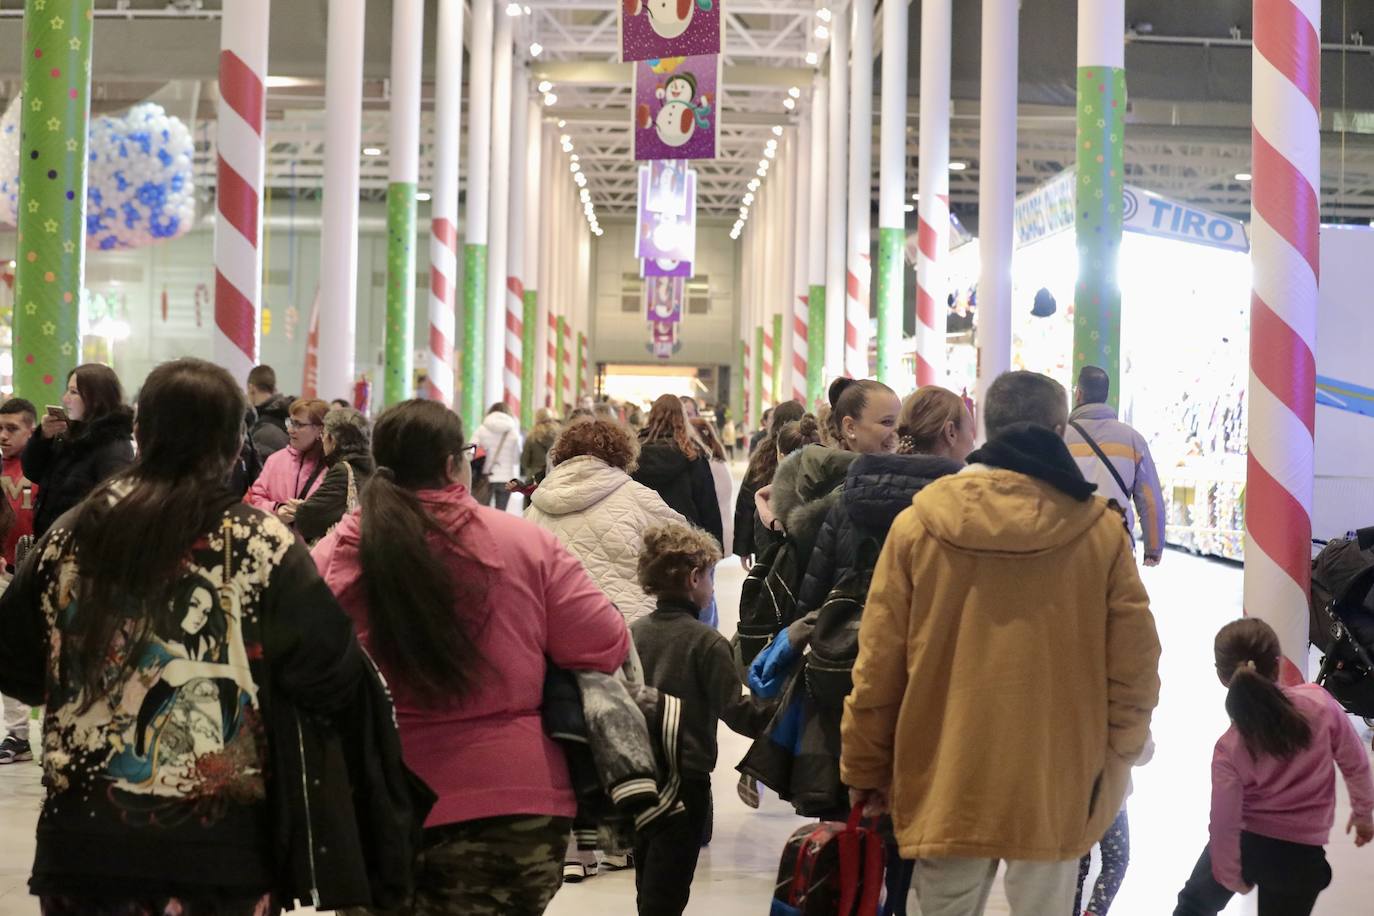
(140, 186)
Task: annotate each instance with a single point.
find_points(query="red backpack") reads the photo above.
(831, 869)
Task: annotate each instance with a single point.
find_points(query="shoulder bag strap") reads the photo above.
(351, 500)
(1097, 449)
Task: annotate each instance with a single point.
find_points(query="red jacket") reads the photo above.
(22, 496)
(488, 756)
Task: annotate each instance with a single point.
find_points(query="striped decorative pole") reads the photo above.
(761, 346)
(551, 357)
(837, 249)
(407, 49)
(562, 395)
(443, 205)
(820, 150)
(568, 377)
(787, 265)
(1101, 183)
(751, 413)
(498, 238)
(775, 359)
(536, 327)
(477, 214)
(584, 368)
(859, 271)
(932, 208)
(515, 246)
(239, 185)
(770, 343)
(1283, 319)
(891, 273)
(801, 341)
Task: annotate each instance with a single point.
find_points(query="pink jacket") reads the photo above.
(1293, 799)
(283, 477)
(488, 756)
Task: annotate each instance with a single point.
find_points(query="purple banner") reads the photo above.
(662, 236)
(676, 108)
(651, 29)
(666, 268)
(663, 299)
(662, 331)
(668, 186)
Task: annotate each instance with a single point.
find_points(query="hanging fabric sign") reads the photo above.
(663, 299)
(663, 340)
(665, 268)
(664, 236)
(677, 107)
(667, 187)
(651, 29)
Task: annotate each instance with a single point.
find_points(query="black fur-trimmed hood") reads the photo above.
(116, 426)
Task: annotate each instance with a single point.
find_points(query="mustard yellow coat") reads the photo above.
(1007, 671)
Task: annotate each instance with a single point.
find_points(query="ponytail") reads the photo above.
(1247, 657)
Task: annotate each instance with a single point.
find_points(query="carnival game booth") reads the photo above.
(1185, 281)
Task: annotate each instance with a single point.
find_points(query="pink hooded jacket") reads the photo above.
(283, 477)
(488, 756)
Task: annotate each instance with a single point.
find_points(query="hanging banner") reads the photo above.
(665, 267)
(663, 236)
(668, 187)
(676, 107)
(651, 29)
(663, 298)
(663, 341)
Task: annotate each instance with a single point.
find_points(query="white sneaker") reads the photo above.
(576, 872)
(618, 862)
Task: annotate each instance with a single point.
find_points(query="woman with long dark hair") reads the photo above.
(160, 623)
(77, 449)
(751, 537)
(463, 606)
(674, 463)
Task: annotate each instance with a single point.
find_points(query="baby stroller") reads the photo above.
(1341, 607)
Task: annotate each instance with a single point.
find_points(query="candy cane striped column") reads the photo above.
(836, 220)
(801, 207)
(766, 377)
(859, 269)
(443, 206)
(568, 399)
(1283, 319)
(890, 278)
(238, 197)
(751, 413)
(515, 244)
(515, 333)
(477, 212)
(932, 233)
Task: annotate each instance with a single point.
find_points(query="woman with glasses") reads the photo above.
(293, 474)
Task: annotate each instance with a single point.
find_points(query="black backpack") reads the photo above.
(835, 642)
(768, 600)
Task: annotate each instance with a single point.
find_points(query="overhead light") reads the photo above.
(957, 166)
(562, 124)
(794, 92)
(422, 195)
(286, 82)
(910, 208)
(788, 104)
(824, 14)
(585, 195)
(550, 99)
(822, 32)
(371, 151)
(812, 59)
(763, 164)
(748, 199)
(777, 130)
(753, 184)
(762, 173)
(528, 11)
(770, 152)
(1243, 176)
(915, 196)
(536, 49)
(514, 9)
(545, 86)
(574, 167)
(771, 144)
(580, 179)
(574, 158)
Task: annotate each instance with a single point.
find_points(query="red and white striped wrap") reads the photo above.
(515, 332)
(238, 226)
(568, 374)
(856, 319)
(750, 409)
(1283, 319)
(932, 237)
(801, 318)
(767, 363)
(443, 270)
(551, 364)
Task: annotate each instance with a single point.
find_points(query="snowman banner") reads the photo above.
(664, 236)
(665, 267)
(668, 186)
(677, 107)
(655, 29)
(663, 299)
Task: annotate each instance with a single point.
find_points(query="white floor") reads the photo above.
(1192, 599)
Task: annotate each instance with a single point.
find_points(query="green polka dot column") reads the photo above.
(775, 390)
(815, 346)
(890, 291)
(528, 353)
(400, 292)
(1098, 220)
(51, 243)
(474, 341)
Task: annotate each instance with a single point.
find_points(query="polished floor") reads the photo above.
(1192, 598)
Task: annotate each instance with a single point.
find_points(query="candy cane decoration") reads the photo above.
(443, 224)
(551, 368)
(932, 232)
(767, 363)
(1283, 319)
(238, 226)
(515, 335)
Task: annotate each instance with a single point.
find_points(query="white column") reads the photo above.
(534, 210)
(403, 170)
(837, 249)
(932, 288)
(443, 205)
(548, 279)
(514, 317)
(788, 262)
(801, 258)
(892, 196)
(343, 111)
(996, 190)
(818, 237)
(477, 209)
(859, 274)
(498, 241)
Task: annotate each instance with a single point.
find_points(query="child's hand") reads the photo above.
(1363, 827)
(875, 802)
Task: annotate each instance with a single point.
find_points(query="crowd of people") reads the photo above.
(290, 653)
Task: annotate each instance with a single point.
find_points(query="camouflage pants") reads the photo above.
(62, 905)
(500, 866)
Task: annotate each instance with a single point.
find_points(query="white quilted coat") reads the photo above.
(600, 515)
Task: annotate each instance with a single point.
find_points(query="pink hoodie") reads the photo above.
(282, 478)
(488, 756)
(1293, 799)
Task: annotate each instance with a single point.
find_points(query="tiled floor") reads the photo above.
(1192, 598)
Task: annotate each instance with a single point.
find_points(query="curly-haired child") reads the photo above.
(685, 658)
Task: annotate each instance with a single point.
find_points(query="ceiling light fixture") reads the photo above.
(371, 151)
(824, 14)
(910, 208)
(513, 9)
(822, 33)
(545, 86)
(812, 59)
(1243, 176)
(422, 195)
(957, 166)
(788, 104)
(550, 99)
(536, 49)
(794, 92)
(777, 130)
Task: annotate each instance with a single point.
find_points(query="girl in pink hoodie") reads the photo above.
(462, 606)
(1274, 784)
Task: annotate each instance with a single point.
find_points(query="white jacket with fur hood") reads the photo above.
(600, 515)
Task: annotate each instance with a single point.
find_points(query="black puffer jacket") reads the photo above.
(686, 484)
(268, 432)
(877, 489)
(67, 469)
(329, 503)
